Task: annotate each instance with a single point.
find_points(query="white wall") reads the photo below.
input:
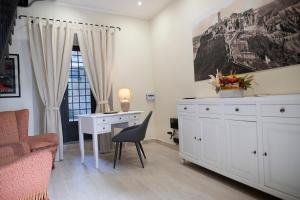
(173, 67)
(29, 97)
(133, 59)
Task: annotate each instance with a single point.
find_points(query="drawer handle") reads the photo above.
(237, 110)
(134, 116)
(120, 118)
(103, 128)
(265, 154)
(195, 138)
(207, 109)
(282, 110)
(185, 108)
(254, 152)
(199, 139)
(103, 120)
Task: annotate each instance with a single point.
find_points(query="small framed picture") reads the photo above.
(10, 77)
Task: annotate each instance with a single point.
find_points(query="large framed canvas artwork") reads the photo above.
(248, 36)
(10, 77)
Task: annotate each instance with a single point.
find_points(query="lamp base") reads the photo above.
(125, 106)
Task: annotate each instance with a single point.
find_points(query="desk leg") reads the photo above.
(95, 148)
(81, 142)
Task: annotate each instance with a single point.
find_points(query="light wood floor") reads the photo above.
(164, 177)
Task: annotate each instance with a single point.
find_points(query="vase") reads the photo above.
(231, 93)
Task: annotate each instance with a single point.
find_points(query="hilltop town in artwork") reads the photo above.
(253, 40)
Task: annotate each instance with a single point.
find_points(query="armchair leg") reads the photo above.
(139, 153)
(116, 154)
(120, 150)
(142, 149)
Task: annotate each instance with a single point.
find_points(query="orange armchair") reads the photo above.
(27, 177)
(14, 139)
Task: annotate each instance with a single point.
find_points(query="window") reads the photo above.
(79, 91)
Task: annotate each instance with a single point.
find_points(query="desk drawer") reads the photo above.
(103, 120)
(120, 119)
(134, 123)
(209, 109)
(103, 128)
(280, 110)
(249, 109)
(187, 108)
(135, 116)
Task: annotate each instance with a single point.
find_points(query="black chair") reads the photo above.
(132, 134)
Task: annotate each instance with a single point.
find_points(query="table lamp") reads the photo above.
(124, 96)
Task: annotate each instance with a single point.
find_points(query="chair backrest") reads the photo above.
(141, 130)
(8, 128)
(14, 126)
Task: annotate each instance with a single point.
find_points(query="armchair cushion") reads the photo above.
(27, 177)
(8, 128)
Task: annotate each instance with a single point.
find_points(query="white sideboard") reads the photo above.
(253, 140)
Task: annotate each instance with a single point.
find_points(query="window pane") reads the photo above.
(74, 86)
(82, 105)
(74, 58)
(76, 113)
(76, 105)
(79, 94)
(81, 72)
(76, 99)
(82, 98)
(81, 85)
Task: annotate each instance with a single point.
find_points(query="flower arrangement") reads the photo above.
(231, 82)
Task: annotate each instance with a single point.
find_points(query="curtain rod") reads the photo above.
(25, 16)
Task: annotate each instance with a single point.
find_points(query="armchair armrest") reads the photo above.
(10, 152)
(26, 178)
(48, 137)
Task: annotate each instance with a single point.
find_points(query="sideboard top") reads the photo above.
(292, 97)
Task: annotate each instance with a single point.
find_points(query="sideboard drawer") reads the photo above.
(280, 110)
(187, 108)
(209, 109)
(248, 110)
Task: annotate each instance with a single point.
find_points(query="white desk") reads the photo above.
(99, 123)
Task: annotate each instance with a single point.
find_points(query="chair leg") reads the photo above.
(139, 153)
(142, 149)
(116, 154)
(120, 150)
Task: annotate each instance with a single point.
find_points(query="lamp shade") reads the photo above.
(124, 95)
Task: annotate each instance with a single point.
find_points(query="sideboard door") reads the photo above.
(187, 135)
(242, 149)
(211, 144)
(281, 157)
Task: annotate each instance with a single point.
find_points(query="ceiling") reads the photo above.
(130, 8)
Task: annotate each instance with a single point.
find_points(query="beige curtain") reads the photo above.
(97, 46)
(51, 47)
